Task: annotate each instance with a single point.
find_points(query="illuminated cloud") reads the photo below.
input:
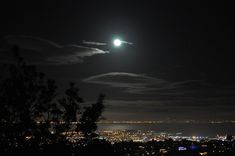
(41, 51)
(131, 82)
(94, 43)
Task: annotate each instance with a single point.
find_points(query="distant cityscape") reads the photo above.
(146, 136)
(165, 121)
(137, 142)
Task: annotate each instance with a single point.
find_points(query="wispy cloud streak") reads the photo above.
(133, 83)
(94, 43)
(38, 50)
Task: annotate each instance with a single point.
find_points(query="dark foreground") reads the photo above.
(102, 147)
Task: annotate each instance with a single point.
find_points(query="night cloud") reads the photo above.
(94, 43)
(131, 82)
(143, 87)
(41, 51)
(172, 100)
(171, 109)
(144, 84)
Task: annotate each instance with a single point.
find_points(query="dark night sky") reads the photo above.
(181, 65)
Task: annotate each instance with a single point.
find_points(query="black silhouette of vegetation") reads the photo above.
(31, 113)
(90, 116)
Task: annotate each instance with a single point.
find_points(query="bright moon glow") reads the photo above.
(117, 42)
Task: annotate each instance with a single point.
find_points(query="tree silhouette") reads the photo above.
(45, 100)
(70, 103)
(90, 116)
(25, 96)
(29, 110)
(45, 106)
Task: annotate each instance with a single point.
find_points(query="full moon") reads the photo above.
(117, 42)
